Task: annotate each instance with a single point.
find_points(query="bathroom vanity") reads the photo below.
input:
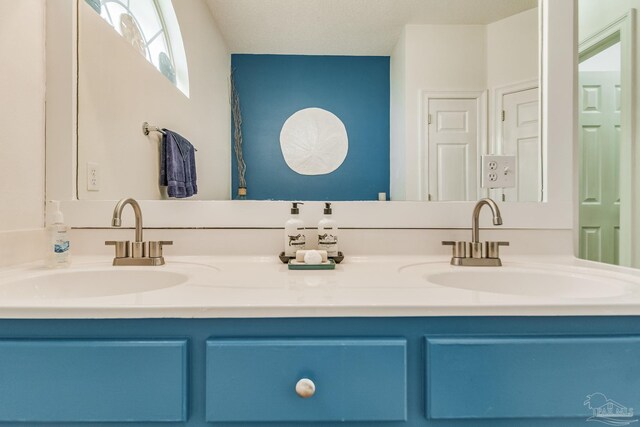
(399, 341)
(391, 340)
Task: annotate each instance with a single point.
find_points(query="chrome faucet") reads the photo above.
(137, 252)
(477, 253)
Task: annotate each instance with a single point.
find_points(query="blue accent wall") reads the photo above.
(354, 88)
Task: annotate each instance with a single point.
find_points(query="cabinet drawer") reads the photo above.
(542, 377)
(355, 380)
(93, 381)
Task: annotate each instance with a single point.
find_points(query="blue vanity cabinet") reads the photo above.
(93, 381)
(355, 380)
(387, 372)
(528, 377)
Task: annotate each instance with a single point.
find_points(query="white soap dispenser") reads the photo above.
(328, 233)
(57, 239)
(294, 238)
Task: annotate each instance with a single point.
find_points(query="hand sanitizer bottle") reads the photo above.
(294, 238)
(57, 239)
(328, 233)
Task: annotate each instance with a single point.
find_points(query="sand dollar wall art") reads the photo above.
(314, 142)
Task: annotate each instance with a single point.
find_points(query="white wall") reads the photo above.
(22, 127)
(512, 49)
(398, 76)
(119, 90)
(22, 92)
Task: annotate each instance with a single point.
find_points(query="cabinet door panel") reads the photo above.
(93, 381)
(505, 377)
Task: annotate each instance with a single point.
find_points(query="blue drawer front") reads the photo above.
(356, 380)
(506, 377)
(69, 381)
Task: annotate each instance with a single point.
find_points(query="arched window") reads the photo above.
(152, 28)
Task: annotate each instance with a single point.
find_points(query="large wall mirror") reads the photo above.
(331, 100)
(607, 161)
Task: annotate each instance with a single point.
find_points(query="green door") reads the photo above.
(600, 166)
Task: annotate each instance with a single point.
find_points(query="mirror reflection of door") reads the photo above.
(600, 108)
(453, 147)
(521, 138)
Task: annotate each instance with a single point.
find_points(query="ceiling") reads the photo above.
(343, 27)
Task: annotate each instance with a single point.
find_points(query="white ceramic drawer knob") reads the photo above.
(305, 388)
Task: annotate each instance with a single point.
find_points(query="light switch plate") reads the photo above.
(498, 171)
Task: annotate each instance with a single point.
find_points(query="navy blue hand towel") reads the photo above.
(178, 165)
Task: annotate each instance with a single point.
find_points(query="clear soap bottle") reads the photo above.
(294, 237)
(58, 247)
(328, 233)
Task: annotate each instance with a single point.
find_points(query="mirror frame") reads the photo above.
(557, 78)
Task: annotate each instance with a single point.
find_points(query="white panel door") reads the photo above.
(521, 138)
(453, 149)
(600, 166)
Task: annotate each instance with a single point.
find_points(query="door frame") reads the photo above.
(622, 29)
(481, 102)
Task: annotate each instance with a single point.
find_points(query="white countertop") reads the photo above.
(238, 287)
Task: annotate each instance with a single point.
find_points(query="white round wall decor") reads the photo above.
(314, 142)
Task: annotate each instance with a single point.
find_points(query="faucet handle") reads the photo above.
(460, 248)
(122, 247)
(492, 249)
(155, 248)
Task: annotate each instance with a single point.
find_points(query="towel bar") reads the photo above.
(147, 129)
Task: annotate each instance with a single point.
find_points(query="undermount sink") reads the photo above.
(531, 282)
(90, 284)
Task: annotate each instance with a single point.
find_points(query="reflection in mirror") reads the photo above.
(606, 232)
(338, 100)
(122, 83)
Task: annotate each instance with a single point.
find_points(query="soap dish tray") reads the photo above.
(327, 265)
(337, 259)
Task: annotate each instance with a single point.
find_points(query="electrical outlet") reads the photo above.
(93, 177)
(498, 171)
